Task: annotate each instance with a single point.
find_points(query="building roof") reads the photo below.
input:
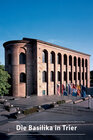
(29, 40)
(15, 41)
(55, 46)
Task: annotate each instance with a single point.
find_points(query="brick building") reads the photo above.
(36, 67)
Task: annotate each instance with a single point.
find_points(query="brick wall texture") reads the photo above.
(73, 66)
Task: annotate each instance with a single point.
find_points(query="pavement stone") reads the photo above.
(24, 103)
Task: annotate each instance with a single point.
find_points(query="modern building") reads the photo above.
(37, 67)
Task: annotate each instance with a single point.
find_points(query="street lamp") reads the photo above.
(89, 103)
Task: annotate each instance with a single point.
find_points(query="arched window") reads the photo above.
(65, 59)
(74, 60)
(9, 59)
(86, 62)
(44, 76)
(59, 58)
(22, 78)
(44, 56)
(22, 58)
(79, 61)
(82, 62)
(52, 57)
(70, 60)
(52, 76)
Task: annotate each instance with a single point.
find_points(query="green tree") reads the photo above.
(4, 85)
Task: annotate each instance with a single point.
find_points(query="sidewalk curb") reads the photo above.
(77, 101)
(80, 100)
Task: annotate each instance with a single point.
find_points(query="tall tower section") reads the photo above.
(20, 62)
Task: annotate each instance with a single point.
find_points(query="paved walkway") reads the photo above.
(37, 100)
(62, 112)
(25, 103)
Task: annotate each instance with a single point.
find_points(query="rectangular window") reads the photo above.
(78, 75)
(65, 76)
(86, 75)
(70, 76)
(59, 76)
(74, 75)
(44, 76)
(82, 75)
(52, 76)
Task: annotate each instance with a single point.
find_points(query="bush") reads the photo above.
(30, 111)
(4, 85)
(61, 102)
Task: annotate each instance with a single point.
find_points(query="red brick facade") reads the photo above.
(36, 67)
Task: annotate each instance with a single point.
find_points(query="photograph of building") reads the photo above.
(37, 67)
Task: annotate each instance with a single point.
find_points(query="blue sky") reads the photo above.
(68, 23)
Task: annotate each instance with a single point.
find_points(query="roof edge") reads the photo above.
(58, 46)
(15, 41)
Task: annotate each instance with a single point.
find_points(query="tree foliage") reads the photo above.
(4, 77)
